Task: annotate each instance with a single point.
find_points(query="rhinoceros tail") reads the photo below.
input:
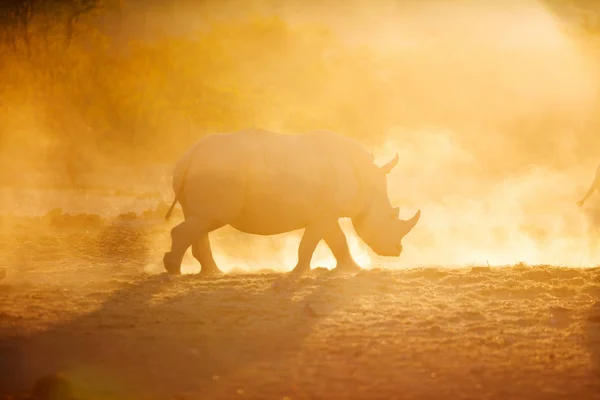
(168, 215)
(177, 195)
(180, 188)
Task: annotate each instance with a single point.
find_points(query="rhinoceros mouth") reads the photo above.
(385, 239)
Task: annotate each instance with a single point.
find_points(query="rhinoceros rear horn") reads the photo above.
(387, 168)
(410, 223)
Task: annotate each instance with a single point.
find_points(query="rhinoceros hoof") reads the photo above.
(348, 267)
(300, 270)
(214, 271)
(172, 265)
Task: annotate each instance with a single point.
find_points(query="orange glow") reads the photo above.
(491, 106)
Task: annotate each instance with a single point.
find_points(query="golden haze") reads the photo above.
(492, 107)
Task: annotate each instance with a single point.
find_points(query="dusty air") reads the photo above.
(299, 200)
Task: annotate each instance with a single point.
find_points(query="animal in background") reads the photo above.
(267, 183)
(593, 187)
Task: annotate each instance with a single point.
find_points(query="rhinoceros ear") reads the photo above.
(387, 168)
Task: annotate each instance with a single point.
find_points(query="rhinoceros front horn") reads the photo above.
(387, 168)
(410, 223)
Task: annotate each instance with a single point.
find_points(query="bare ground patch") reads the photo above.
(76, 300)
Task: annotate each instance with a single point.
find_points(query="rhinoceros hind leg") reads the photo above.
(182, 237)
(172, 264)
(336, 241)
(203, 253)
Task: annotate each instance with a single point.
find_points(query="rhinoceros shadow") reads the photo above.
(159, 336)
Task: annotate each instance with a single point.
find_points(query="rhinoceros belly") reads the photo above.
(286, 187)
(263, 183)
(279, 203)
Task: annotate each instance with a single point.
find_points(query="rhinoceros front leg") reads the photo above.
(311, 238)
(333, 235)
(203, 253)
(336, 240)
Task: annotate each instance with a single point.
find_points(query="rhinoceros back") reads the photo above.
(286, 180)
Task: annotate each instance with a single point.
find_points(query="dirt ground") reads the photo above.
(78, 298)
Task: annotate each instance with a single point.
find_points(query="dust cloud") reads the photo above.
(492, 106)
(509, 134)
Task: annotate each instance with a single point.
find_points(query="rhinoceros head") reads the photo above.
(378, 223)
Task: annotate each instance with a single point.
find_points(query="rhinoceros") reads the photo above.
(267, 183)
(593, 187)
